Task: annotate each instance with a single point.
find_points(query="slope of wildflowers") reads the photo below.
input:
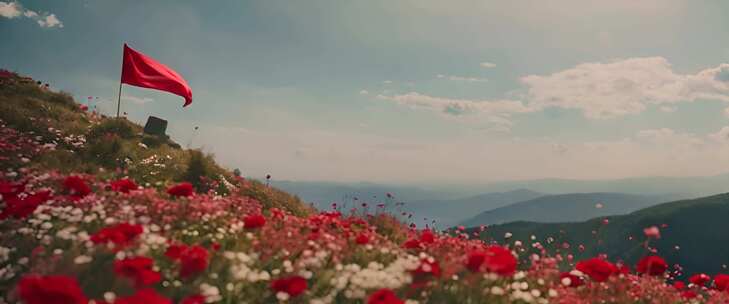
(82, 237)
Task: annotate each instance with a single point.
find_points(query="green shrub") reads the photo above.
(198, 170)
(106, 151)
(117, 126)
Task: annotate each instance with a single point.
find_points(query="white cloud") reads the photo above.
(623, 87)
(30, 14)
(50, 21)
(494, 112)
(488, 65)
(15, 9)
(461, 78)
(10, 9)
(387, 82)
(363, 92)
(458, 106)
(599, 90)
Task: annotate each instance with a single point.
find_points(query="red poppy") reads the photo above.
(76, 186)
(652, 265)
(124, 185)
(193, 261)
(34, 289)
(411, 244)
(193, 299)
(427, 237)
(495, 259)
(689, 294)
(138, 269)
(699, 279)
(500, 260)
(20, 208)
(293, 286)
(254, 221)
(574, 281)
(8, 189)
(144, 296)
(679, 285)
(384, 296)
(362, 239)
(121, 235)
(475, 259)
(721, 282)
(597, 269)
(181, 189)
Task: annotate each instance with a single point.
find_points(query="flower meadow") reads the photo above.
(87, 238)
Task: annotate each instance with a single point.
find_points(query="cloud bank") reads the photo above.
(14, 9)
(599, 90)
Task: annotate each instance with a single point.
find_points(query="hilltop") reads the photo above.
(108, 147)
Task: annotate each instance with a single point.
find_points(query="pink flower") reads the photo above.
(652, 232)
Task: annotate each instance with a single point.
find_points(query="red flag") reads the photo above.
(142, 71)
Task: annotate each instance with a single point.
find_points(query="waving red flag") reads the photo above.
(142, 71)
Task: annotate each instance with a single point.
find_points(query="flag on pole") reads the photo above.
(143, 71)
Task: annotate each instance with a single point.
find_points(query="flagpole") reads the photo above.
(121, 75)
(118, 101)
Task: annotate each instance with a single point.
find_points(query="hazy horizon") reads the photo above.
(407, 92)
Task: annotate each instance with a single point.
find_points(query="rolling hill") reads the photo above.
(572, 207)
(694, 234)
(451, 212)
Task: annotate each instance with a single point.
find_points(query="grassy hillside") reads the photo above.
(571, 207)
(694, 234)
(78, 229)
(110, 148)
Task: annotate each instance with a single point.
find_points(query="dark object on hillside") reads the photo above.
(155, 126)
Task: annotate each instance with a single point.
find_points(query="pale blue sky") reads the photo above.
(408, 91)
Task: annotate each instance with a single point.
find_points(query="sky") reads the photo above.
(397, 91)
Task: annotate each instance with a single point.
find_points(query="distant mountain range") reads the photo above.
(573, 207)
(695, 234)
(447, 213)
(694, 186)
(323, 194)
